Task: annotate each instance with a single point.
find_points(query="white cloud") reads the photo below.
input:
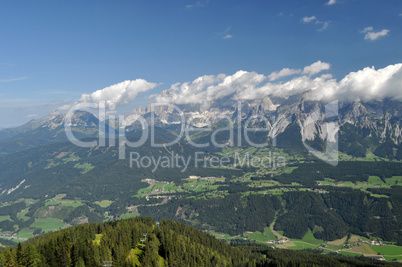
(205, 89)
(226, 34)
(296, 85)
(331, 2)
(367, 29)
(324, 26)
(400, 14)
(316, 67)
(197, 4)
(366, 85)
(372, 36)
(308, 19)
(245, 85)
(283, 73)
(13, 80)
(119, 94)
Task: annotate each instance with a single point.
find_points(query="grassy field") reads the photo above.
(157, 188)
(200, 185)
(264, 183)
(393, 258)
(59, 200)
(369, 157)
(86, 167)
(310, 242)
(71, 158)
(64, 202)
(268, 233)
(338, 242)
(129, 215)
(222, 236)
(289, 169)
(309, 238)
(49, 224)
(104, 203)
(367, 250)
(257, 236)
(390, 252)
(394, 180)
(21, 215)
(5, 218)
(300, 245)
(373, 181)
(261, 237)
(25, 233)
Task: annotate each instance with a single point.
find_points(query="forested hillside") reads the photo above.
(143, 242)
(336, 213)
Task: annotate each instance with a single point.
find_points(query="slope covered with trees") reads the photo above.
(143, 242)
(337, 213)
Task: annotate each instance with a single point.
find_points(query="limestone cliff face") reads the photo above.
(377, 121)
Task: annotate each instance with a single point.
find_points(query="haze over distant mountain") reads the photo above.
(47, 130)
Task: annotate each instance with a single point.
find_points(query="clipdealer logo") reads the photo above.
(233, 126)
(203, 160)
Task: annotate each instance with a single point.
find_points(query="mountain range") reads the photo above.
(359, 127)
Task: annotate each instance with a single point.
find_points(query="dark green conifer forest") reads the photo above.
(143, 242)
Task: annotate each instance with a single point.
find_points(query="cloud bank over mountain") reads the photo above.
(118, 94)
(367, 84)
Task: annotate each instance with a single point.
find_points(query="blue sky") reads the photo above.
(52, 52)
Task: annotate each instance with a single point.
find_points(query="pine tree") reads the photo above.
(10, 260)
